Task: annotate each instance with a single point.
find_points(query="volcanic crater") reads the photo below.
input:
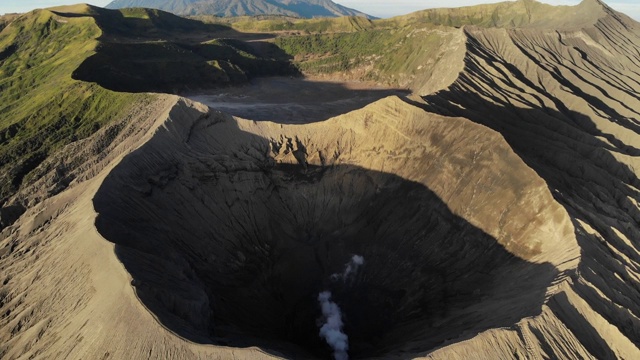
(232, 230)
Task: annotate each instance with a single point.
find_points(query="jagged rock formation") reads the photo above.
(295, 8)
(497, 213)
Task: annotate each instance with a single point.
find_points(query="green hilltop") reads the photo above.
(43, 108)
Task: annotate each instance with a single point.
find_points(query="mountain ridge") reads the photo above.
(295, 8)
(520, 13)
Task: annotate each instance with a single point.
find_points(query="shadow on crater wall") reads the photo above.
(230, 252)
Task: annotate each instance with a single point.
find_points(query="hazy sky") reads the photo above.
(381, 8)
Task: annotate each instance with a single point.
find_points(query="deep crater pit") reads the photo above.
(228, 245)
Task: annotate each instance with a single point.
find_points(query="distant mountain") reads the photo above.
(296, 8)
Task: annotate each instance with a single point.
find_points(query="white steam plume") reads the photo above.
(351, 268)
(331, 330)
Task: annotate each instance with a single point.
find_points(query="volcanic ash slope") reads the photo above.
(565, 95)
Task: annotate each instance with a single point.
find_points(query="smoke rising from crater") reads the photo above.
(350, 269)
(331, 329)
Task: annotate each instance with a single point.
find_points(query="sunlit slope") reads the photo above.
(561, 85)
(508, 14)
(567, 102)
(42, 107)
(416, 57)
(279, 207)
(284, 23)
(421, 51)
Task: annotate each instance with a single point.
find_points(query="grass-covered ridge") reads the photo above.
(42, 107)
(508, 14)
(61, 70)
(390, 50)
(6, 19)
(283, 23)
(174, 66)
(386, 55)
(151, 50)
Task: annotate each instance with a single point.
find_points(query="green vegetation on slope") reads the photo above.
(385, 53)
(59, 69)
(151, 50)
(395, 50)
(508, 14)
(42, 107)
(387, 50)
(282, 23)
(136, 23)
(170, 66)
(336, 52)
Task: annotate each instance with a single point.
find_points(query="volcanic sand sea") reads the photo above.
(294, 100)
